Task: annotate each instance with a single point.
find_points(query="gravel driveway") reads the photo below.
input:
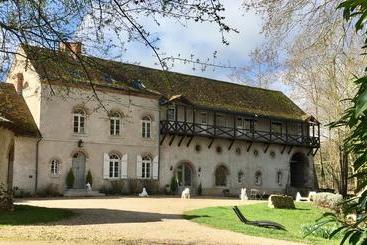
(128, 220)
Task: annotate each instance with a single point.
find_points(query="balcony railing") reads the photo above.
(196, 129)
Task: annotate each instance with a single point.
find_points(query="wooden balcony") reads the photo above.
(195, 129)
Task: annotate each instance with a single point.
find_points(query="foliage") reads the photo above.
(117, 187)
(174, 185)
(328, 200)
(89, 178)
(292, 219)
(322, 232)
(355, 118)
(151, 185)
(281, 201)
(135, 186)
(6, 199)
(29, 215)
(70, 178)
(51, 190)
(200, 189)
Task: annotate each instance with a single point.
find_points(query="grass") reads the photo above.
(293, 220)
(30, 215)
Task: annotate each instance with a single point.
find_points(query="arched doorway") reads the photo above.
(184, 175)
(221, 173)
(10, 166)
(299, 170)
(78, 166)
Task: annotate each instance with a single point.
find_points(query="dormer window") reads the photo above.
(79, 121)
(115, 123)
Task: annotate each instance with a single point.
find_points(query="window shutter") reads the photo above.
(139, 162)
(124, 167)
(155, 168)
(106, 166)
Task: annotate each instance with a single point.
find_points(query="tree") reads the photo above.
(319, 55)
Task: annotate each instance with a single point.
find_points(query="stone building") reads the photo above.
(17, 127)
(123, 121)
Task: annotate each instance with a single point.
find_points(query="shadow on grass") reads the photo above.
(191, 217)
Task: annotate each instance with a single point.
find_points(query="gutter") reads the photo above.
(37, 159)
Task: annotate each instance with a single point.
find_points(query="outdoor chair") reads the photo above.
(260, 223)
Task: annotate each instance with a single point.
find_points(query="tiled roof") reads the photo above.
(14, 112)
(56, 66)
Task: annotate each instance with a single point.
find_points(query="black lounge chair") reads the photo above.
(260, 223)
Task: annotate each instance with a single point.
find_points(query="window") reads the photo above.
(240, 177)
(203, 118)
(276, 128)
(55, 167)
(146, 127)
(115, 124)
(258, 178)
(171, 114)
(146, 168)
(244, 124)
(79, 121)
(114, 170)
(220, 120)
(221, 176)
(279, 177)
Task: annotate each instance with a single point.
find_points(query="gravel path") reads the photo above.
(128, 220)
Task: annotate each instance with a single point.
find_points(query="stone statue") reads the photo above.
(243, 194)
(144, 193)
(186, 193)
(89, 187)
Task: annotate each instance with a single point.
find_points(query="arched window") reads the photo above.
(258, 178)
(55, 167)
(279, 177)
(79, 121)
(146, 127)
(115, 123)
(114, 166)
(221, 176)
(146, 167)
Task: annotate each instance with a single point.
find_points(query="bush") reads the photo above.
(174, 185)
(6, 199)
(70, 178)
(117, 187)
(200, 189)
(89, 178)
(319, 231)
(281, 201)
(20, 193)
(328, 200)
(50, 190)
(151, 185)
(135, 186)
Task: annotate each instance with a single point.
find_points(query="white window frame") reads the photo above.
(146, 126)
(115, 124)
(114, 166)
(55, 167)
(79, 121)
(146, 168)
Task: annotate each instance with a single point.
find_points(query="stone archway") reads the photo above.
(78, 166)
(186, 176)
(299, 170)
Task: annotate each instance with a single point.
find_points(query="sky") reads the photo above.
(201, 40)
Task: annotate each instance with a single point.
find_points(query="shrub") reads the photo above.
(200, 189)
(319, 231)
(174, 185)
(151, 185)
(117, 187)
(70, 178)
(50, 190)
(89, 178)
(281, 201)
(20, 193)
(6, 199)
(328, 200)
(134, 186)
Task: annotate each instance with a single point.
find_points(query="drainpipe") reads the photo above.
(37, 156)
(159, 140)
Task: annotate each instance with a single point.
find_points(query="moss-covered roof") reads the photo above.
(14, 112)
(56, 66)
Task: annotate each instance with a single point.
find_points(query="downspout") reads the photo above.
(37, 157)
(159, 140)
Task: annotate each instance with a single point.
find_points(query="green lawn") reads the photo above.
(29, 215)
(225, 218)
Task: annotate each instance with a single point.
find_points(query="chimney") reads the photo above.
(19, 83)
(73, 47)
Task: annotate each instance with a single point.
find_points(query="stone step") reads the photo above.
(82, 193)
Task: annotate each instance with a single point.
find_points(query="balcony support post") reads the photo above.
(231, 144)
(172, 139)
(179, 143)
(211, 142)
(290, 149)
(189, 142)
(266, 147)
(249, 146)
(282, 151)
(314, 153)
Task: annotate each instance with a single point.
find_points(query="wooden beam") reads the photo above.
(309, 152)
(189, 142)
(249, 146)
(172, 139)
(313, 154)
(211, 142)
(179, 143)
(230, 145)
(290, 149)
(266, 148)
(164, 137)
(282, 151)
